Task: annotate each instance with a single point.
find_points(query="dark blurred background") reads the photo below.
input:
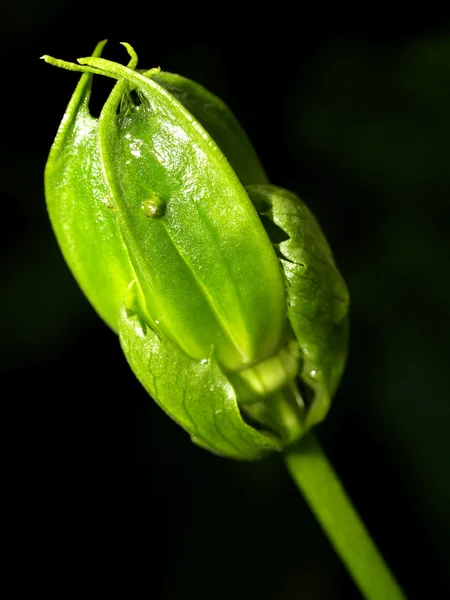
(105, 493)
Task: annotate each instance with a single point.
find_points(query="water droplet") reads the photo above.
(313, 373)
(153, 207)
(156, 321)
(203, 361)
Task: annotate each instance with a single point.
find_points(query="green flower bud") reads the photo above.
(223, 323)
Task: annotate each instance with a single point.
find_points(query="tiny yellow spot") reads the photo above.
(107, 200)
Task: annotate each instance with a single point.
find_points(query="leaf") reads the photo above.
(81, 210)
(196, 395)
(317, 297)
(221, 124)
(206, 268)
(80, 202)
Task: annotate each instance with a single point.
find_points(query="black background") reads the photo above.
(104, 493)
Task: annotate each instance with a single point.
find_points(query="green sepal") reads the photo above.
(190, 264)
(317, 296)
(80, 203)
(81, 210)
(219, 121)
(205, 224)
(195, 394)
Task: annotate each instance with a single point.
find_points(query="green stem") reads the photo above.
(316, 479)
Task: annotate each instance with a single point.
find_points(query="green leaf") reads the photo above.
(221, 124)
(81, 210)
(195, 394)
(205, 266)
(317, 297)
